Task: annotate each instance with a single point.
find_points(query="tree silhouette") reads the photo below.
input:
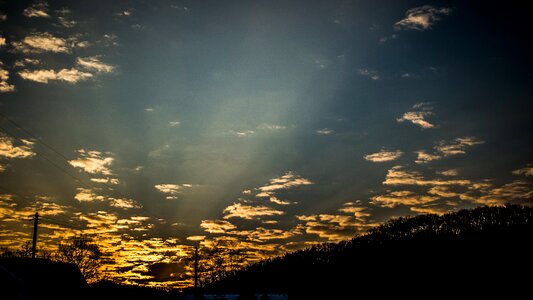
(81, 251)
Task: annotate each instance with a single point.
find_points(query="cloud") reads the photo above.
(369, 73)
(217, 226)
(280, 202)
(3, 18)
(447, 148)
(124, 203)
(42, 42)
(457, 146)
(261, 234)
(395, 198)
(5, 87)
(63, 19)
(421, 18)
(245, 133)
(383, 156)
(39, 9)
(325, 131)
(527, 171)
(93, 162)
(44, 76)
(94, 63)
(516, 191)
(273, 127)
(2, 41)
(289, 180)
(149, 109)
(174, 123)
(384, 39)
(417, 118)
(450, 172)
(249, 212)
(11, 149)
(172, 190)
(87, 195)
(26, 61)
(106, 180)
(397, 175)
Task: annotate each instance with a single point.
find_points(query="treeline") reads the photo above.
(480, 251)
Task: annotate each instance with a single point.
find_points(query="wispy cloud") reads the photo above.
(26, 62)
(395, 198)
(280, 202)
(44, 76)
(172, 190)
(124, 203)
(93, 162)
(273, 127)
(244, 211)
(421, 18)
(325, 131)
(417, 118)
(383, 156)
(94, 63)
(9, 148)
(64, 19)
(245, 133)
(370, 74)
(450, 172)
(217, 226)
(4, 77)
(289, 180)
(174, 123)
(106, 180)
(527, 171)
(88, 195)
(397, 175)
(38, 9)
(447, 148)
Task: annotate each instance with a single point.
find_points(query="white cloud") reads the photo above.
(421, 18)
(383, 156)
(44, 76)
(417, 118)
(105, 180)
(39, 9)
(271, 127)
(245, 133)
(4, 77)
(11, 149)
(238, 210)
(325, 131)
(42, 42)
(94, 63)
(369, 73)
(174, 123)
(93, 162)
(149, 109)
(527, 171)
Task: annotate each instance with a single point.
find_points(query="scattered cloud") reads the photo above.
(94, 63)
(172, 190)
(38, 9)
(517, 191)
(26, 61)
(149, 109)
(273, 127)
(369, 73)
(93, 162)
(395, 198)
(5, 86)
(2, 41)
(249, 212)
(125, 13)
(325, 131)
(280, 202)
(383, 156)
(244, 133)
(106, 180)
(421, 18)
(527, 171)
(397, 175)
(9, 148)
(217, 226)
(174, 123)
(289, 180)
(450, 172)
(44, 76)
(387, 38)
(87, 195)
(417, 118)
(42, 42)
(124, 203)
(424, 157)
(457, 146)
(63, 18)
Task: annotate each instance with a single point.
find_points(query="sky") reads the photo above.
(153, 126)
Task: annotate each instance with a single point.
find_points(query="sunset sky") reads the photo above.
(149, 125)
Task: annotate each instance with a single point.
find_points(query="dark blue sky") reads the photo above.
(271, 124)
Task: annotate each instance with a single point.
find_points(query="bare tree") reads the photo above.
(83, 252)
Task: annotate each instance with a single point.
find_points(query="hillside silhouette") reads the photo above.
(480, 252)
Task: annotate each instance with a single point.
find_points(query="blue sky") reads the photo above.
(270, 124)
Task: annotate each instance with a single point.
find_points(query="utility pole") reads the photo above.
(34, 241)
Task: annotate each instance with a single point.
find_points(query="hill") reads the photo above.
(483, 251)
